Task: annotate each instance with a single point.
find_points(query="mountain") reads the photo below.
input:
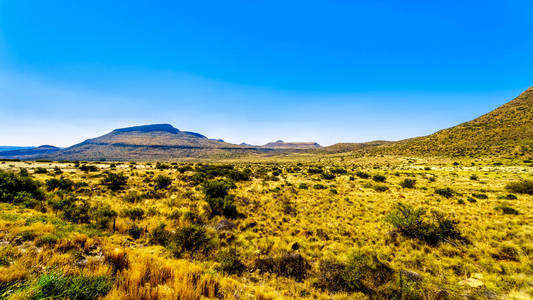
(505, 131)
(10, 148)
(29, 153)
(291, 145)
(150, 142)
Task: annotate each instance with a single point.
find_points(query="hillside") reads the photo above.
(505, 131)
(29, 153)
(292, 145)
(158, 141)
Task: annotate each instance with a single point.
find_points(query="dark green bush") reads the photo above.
(480, 196)
(220, 202)
(445, 192)
(362, 175)
(114, 181)
(15, 188)
(521, 187)
(506, 210)
(40, 170)
(135, 231)
(328, 176)
(62, 183)
(415, 223)
(46, 240)
(288, 265)
(319, 186)
(408, 183)
(162, 182)
(135, 213)
(303, 186)
(380, 188)
(379, 178)
(103, 215)
(88, 168)
(189, 238)
(508, 197)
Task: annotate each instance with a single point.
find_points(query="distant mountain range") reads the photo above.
(10, 148)
(506, 131)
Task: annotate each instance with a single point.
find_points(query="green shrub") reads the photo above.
(103, 216)
(62, 183)
(229, 261)
(160, 235)
(506, 210)
(480, 196)
(362, 175)
(114, 181)
(508, 197)
(72, 287)
(474, 177)
(319, 186)
(303, 186)
(162, 182)
(76, 211)
(40, 170)
(380, 188)
(189, 238)
(135, 213)
(379, 178)
(362, 272)
(521, 187)
(220, 202)
(415, 223)
(445, 192)
(46, 240)
(328, 176)
(15, 188)
(88, 168)
(408, 183)
(135, 231)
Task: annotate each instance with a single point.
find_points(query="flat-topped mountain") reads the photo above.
(157, 141)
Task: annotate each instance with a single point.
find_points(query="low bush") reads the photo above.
(379, 178)
(521, 187)
(220, 202)
(135, 213)
(506, 210)
(380, 188)
(480, 196)
(162, 182)
(62, 183)
(114, 181)
(362, 175)
(15, 188)
(416, 223)
(40, 170)
(291, 265)
(445, 192)
(362, 272)
(303, 186)
(103, 216)
(408, 183)
(135, 231)
(229, 261)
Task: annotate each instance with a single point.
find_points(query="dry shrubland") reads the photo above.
(371, 227)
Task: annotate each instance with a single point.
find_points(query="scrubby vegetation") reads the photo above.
(350, 229)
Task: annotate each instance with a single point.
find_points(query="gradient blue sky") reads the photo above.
(258, 71)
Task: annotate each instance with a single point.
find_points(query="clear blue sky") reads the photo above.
(257, 71)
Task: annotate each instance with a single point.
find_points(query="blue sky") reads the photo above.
(257, 71)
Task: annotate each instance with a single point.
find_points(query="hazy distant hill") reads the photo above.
(29, 153)
(292, 145)
(149, 142)
(11, 148)
(505, 131)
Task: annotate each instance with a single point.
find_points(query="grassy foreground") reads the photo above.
(371, 228)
